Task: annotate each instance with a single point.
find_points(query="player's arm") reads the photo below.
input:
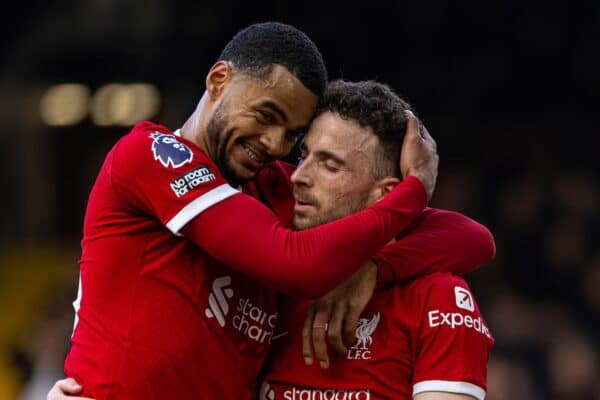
(245, 235)
(452, 342)
(442, 241)
(442, 396)
(192, 199)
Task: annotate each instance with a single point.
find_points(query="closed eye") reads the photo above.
(329, 166)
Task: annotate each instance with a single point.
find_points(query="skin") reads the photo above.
(334, 178)
(238, 115)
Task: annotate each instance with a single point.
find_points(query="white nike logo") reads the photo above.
(275, 337)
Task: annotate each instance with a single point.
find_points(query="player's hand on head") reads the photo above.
(419, 157)
(66, 389)
(334, 318)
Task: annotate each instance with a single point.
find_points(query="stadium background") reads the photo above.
(508, 90)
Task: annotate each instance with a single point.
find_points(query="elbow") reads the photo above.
(486, 245)
(491, 246)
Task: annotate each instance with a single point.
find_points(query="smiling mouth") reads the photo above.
(254, 154)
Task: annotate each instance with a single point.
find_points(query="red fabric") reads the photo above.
(446, 241)
(160, 318)
(143, 330)
(405, 341)
(291, 260)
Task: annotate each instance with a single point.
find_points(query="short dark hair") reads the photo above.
(375, 105)
(255, 49)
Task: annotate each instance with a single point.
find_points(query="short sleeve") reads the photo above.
(160, 173)
(453, 342)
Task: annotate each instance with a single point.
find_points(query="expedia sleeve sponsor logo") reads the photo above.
(191, 180)
(454, 320)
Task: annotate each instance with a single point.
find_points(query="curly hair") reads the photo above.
(375, 105)
(255, 49)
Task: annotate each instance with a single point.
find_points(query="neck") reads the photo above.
(194, 129)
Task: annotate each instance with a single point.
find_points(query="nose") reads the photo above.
(301, 175)
(275, 143)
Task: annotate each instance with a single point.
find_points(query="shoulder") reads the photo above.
(435, 282)
(277, 170)
(148, 142)
(439, 290)
(276, 177)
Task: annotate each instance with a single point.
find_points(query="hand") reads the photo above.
(336, 315)
(419, 156)
(66, 389)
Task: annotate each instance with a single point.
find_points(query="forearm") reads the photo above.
(246, 236)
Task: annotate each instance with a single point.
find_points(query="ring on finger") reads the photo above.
(324, 326)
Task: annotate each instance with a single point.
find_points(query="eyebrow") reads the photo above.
(271, 105)
(275, 108)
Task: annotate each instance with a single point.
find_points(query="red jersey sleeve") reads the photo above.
(169, 178)
(441, 241)
(451, 341)
(244, 234)
(161, 174)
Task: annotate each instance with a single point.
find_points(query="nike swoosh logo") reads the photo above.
(275, 337)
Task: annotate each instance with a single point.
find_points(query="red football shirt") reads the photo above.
(423, 335)
(158, 317)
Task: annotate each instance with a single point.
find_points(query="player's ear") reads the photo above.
(217, 79)
(382, 187)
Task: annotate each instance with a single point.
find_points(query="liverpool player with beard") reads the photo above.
(347, 164)
(424, 338)
(176, 263)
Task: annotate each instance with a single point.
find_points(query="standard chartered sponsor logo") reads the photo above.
(326, 394)
(455, 319)
(217, 300)
(249, 319)
(253, 322)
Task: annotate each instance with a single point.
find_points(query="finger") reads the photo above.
(65, 389)
(351, 322)
(412, 125)
(319, 332)
(70, 386)
(307, 346)
(334, 332)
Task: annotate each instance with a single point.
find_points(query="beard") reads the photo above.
(219, 137)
